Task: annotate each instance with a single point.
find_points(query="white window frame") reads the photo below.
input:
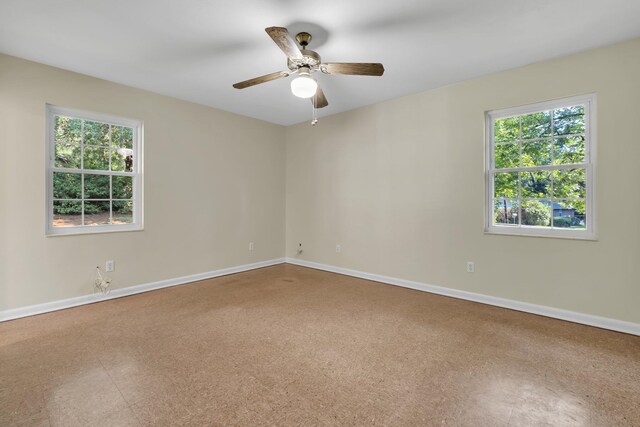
(589, 103)
(51, 112)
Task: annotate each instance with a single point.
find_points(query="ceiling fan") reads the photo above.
(304, 62)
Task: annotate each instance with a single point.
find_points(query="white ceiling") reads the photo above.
(196, 49)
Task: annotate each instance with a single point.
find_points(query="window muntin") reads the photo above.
(93, 173)
(540, 173)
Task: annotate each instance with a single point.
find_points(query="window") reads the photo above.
(93, 173)
(540, 169)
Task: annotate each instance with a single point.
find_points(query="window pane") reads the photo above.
(67, 185)
(581, 212)
(96, 133)
(539, 161)
(122, 136)
(570, 184)
(537, 125)
(96, 186)
(90, 172)
(122, 212)
(122, 160)
(568, 150)
(67, 213)
(507, 129)
(569, 120)
(536, 212)
(67, 155)
(569, 214)
(536, 184)
(536, 153)
(67, 129)
(506, 185)
(507, 155)
(122, 187)
(96, 158)
(96, 213)
(505, 212)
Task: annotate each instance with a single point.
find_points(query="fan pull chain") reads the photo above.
(314, 117)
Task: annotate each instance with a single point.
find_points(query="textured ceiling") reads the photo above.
(195, 49)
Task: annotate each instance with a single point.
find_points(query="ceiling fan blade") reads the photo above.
(319, 101)
(261, 79)
(354, 69)
(281, 37)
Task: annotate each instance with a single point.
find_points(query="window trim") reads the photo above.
(137, 196)
(589, 102)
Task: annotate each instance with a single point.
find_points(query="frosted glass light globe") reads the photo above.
(304, 86)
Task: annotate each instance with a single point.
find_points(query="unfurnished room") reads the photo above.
(336, 213)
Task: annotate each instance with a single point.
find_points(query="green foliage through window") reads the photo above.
(93, 179)
(539, 169)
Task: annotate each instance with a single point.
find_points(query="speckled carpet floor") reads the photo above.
(287, 345)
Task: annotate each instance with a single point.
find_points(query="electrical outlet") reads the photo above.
(109, 266)
(338, 248)
(471, 267)
(251, 246)
(300, 248)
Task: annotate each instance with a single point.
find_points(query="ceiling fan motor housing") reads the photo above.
(309, 59)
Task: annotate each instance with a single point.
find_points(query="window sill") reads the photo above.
(532, 232)
(78, 231)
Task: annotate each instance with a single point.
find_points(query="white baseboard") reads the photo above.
(571, 316)
(117, 293)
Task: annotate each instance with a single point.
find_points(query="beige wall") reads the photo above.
(400, 186)
(213, 182)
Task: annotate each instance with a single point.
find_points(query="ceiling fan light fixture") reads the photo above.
(304, 86)
(304, 62)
